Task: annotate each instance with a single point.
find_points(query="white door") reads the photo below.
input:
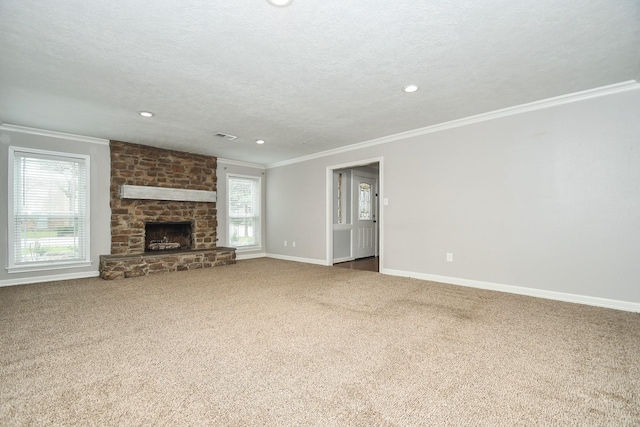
(364, 216)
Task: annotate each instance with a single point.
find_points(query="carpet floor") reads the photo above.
(267, 342)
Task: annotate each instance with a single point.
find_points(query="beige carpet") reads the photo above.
(277, 343)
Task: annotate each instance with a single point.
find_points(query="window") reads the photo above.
(364, 202)
(48, 209)
(243, 201)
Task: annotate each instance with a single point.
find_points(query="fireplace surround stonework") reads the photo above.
(133, 164)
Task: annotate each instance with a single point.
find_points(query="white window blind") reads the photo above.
(49, 208)
(243, 198)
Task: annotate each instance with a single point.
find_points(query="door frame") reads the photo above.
(330, 204)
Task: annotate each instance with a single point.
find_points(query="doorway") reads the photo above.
(354, 216)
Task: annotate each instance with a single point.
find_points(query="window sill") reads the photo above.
(46, 267)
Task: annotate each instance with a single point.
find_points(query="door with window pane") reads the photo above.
(364, 220)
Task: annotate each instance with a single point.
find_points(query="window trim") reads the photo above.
(258, 217)
(46, 265)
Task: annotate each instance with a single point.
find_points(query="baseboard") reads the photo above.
(50, 278)
(519, 290)
(241, 256)
(298, 259)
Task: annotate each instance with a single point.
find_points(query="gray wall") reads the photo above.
(225, 167)
(296, 211)
(546, 199)
(100, 164)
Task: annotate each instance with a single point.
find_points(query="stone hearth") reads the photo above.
(124, 266)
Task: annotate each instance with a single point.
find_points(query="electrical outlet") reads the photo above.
(293, 244)
(285, 243)
(449, 257)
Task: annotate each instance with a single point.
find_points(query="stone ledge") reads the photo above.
(133, 265)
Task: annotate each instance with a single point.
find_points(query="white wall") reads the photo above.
(541, 202)
(225, 167)
(100, 212)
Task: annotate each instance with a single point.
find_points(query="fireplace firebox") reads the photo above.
(167, 236)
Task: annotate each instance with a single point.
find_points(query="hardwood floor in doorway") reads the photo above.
(367, 264)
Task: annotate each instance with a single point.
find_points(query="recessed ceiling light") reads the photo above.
(146, 113)
(280, 3)
(410, 88)
(260, 141)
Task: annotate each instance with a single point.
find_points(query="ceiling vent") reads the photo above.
(225, 136)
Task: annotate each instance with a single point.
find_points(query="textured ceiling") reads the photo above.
(316, 75)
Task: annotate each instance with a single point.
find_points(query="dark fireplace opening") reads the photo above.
(167, 236)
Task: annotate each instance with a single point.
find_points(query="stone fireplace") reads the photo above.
(151, 234)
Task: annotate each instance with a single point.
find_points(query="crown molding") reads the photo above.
(53, 134)
(505, 112)
(239, 163)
